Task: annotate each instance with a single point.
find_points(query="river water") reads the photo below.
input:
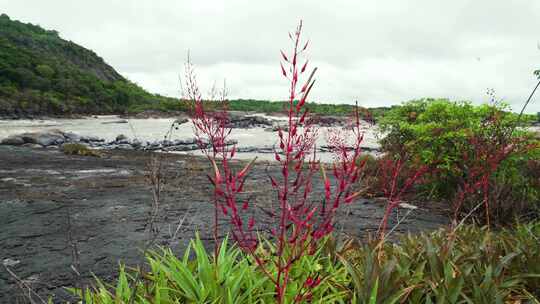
(153, 129)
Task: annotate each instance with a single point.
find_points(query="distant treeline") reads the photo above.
(253, 105)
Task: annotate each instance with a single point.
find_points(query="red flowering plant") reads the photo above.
(489, 146)
(212, 131)
(345, 144)
(396, 179)
(301, 220)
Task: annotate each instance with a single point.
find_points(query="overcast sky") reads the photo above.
(378, 52)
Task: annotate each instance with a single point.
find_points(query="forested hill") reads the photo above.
(41, 73)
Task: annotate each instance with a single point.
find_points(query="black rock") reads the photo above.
(121, 137)
(72, 137)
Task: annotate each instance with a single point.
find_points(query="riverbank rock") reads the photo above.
(49, 138)
(46, 138)
(243, 120)
(13, 140)
(90, 139)
(72, 137)
(121, 140)
(276, 125)
(330, 121)
(181, 121)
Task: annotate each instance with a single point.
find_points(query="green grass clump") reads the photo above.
(197, 278)
(470, 265)
(79, 149)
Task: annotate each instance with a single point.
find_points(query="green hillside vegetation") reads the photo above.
(41, 73)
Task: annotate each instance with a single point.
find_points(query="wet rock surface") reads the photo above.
(102, 205)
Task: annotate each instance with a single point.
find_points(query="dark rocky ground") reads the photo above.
(102, 204)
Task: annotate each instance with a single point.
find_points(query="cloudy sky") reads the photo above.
(378, 52)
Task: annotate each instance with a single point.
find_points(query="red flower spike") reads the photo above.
(218, 191)
(305, 46)
(304, 88)
(351, 197)
(284, 56)
(243, 172)
(327, 189)
(301, 102)
(273, 181)
(245, 205)
(304, 67)
(310, 214)
(241, 186)
(303, 116)
(217, 179)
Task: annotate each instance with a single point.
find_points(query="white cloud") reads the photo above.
(378, 52)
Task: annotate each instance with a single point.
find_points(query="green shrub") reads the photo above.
(438, 132)
(434, 130)
(472, 265)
